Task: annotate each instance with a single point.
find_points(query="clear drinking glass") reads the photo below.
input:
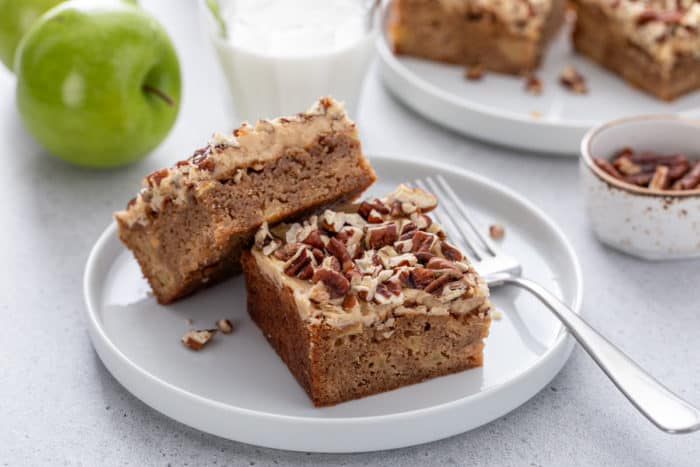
(280, 56)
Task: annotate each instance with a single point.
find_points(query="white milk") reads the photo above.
(279, 56)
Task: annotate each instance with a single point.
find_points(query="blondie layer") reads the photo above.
(367, 299)
(508, 36)
(189, 223)
(653, 44)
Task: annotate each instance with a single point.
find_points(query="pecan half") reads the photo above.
(336, 283)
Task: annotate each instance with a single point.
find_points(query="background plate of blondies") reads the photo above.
(497, 108)
(237, 388)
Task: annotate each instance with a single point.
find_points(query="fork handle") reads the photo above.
(664, 409)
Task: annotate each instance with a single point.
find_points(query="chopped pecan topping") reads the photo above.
(385, 234)
(319, 293)
(413, 199)
(336, 283)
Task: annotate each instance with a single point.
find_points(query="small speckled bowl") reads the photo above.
(647, 223)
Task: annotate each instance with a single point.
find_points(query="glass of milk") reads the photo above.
(280, 56)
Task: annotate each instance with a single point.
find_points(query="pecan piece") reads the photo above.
(338, 249)
(437, 285)
(496, 231)
(423, 241)
(451, 252)
(286, 252)
(607, 167)
(625, 165)
(154, 178)
(336, 283)
(366, 207)
(298, 262)
(474, 73)
(314, 239)
(690, 180)
(420, 278)
(660, 179)
(385, 234)
(440, 263)
(195, 340)
(225, 326)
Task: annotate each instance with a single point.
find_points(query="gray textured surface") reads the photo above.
(59, 405)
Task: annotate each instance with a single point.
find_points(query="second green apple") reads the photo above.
(98, 82)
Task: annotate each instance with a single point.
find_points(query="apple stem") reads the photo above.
(157, 92)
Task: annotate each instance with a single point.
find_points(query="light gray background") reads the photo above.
(58, 404)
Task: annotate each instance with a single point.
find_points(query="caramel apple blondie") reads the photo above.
(508, 36)
(189, 223)
(367, 298)
(653, 44)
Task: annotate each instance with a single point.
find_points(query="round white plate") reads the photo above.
(497, 108)
(238, 388)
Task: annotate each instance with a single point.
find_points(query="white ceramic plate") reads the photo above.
(497, 109)
(239, 389)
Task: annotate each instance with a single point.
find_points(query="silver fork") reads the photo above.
(664, 409)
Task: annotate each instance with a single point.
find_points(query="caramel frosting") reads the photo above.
(370, 263)
(526, 17)
(227, 156)
(665, 29)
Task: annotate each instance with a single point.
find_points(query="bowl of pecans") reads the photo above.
(641, 185)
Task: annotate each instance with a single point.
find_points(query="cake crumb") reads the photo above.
(225, 326)
(474, 72)
(533, 84)
(188, 321)
(571, 79)
(496, 231)
(195, 340)
(535, 114)
(496, 315)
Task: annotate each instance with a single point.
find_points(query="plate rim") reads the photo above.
(563, 340)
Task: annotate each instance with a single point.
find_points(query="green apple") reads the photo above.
(98, 82)
(16, 17)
